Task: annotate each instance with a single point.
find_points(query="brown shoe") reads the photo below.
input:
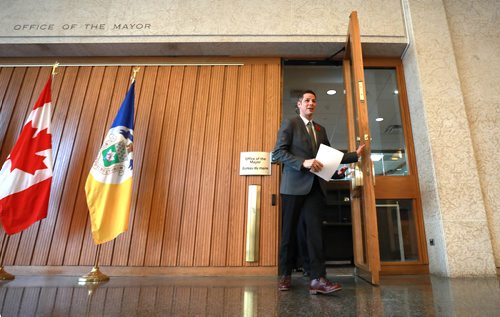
(323, 286)
(285, 283)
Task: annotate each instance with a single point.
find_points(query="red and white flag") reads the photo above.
(26, 175)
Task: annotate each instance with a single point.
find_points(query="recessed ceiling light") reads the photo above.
(376, 156)
(379, 119)
(331, 92)
(396, 92)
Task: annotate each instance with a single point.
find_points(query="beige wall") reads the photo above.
(187, 20)
(195, 27)
(456, 215)
(475, 35)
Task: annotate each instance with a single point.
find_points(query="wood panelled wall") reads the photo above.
(189, 201)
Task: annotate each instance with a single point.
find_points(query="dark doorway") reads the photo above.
(326, 80)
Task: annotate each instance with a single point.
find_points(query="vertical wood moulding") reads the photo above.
(10, 120)
(235, 247)
(209, 168)
(157, 216)
(78, 221)
(224, 169)
(5, 74)
(65, 155)
(193, 173)
(145, 162)
(172, 110)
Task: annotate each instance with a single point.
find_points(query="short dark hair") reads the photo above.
(308, 91)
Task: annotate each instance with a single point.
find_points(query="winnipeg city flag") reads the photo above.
(109, 184)
(26, 175)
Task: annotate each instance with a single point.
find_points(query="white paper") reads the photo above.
(330, 158)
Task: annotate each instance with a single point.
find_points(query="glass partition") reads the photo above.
(388, 144)
(397, 231)
(328, 83)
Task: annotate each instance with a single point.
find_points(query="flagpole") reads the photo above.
(4, 276)
(135, 70)
(54, 67)
(95, 275)
(124, 121)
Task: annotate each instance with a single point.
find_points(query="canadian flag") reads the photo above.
(26, 175)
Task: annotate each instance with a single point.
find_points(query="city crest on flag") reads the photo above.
(115, 159)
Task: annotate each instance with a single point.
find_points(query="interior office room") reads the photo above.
(412, 230)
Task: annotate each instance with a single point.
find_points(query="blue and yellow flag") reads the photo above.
(109, 184)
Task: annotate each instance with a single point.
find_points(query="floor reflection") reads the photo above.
(247, 296)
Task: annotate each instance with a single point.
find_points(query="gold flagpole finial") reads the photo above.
(54, 67)
(135, 70)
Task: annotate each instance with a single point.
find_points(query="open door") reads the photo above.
(364, 216)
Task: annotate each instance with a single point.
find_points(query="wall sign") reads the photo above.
(255, 163)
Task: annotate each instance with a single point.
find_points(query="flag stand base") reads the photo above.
(4, 276)
(91, 287)
(94, 276)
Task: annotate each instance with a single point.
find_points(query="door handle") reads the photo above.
(373, 172)
(357, 179)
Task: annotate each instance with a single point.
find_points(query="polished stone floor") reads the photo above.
(248, 296)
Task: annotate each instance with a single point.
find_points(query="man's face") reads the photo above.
(307, 105)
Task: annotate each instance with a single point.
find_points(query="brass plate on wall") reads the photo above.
(253, 224)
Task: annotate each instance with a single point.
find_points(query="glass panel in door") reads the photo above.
(388, 151)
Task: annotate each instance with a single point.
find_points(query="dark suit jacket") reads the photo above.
(292, 148)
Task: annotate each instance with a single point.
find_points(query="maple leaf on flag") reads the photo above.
(23, 155)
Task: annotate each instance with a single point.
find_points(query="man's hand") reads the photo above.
(360, 149)
(313, 164)
(342, 170)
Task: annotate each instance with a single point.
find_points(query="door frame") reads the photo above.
(403, 187)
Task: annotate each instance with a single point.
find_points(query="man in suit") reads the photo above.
(301, 192)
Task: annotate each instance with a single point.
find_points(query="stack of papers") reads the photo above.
(330, 158)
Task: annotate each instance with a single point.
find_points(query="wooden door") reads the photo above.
(364, 217)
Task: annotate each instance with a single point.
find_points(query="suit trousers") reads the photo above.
(311, 207)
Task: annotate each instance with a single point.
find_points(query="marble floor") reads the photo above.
(248, 296)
